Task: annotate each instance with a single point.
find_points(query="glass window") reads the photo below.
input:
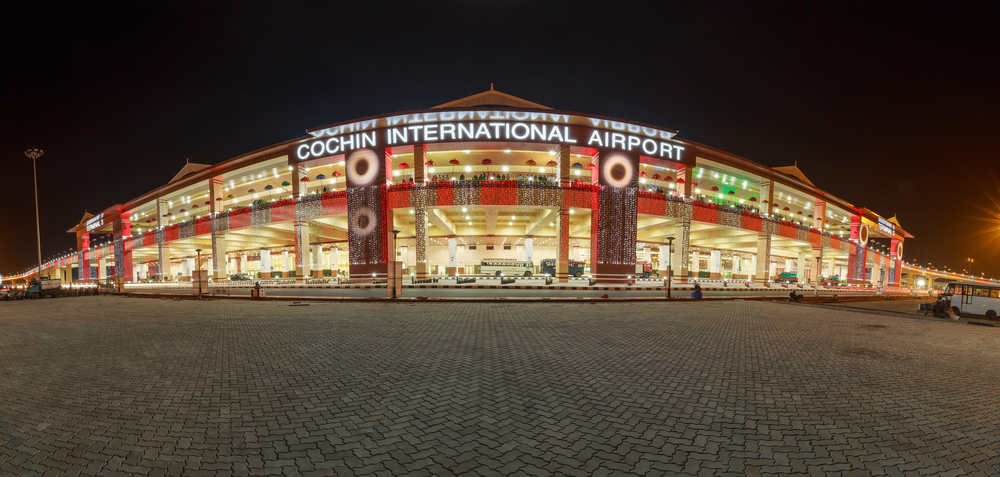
(981, 291)
(994, 292)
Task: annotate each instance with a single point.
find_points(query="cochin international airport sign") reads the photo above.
(503, 131)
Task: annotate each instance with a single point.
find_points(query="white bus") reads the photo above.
(509, 268)
(974, 299)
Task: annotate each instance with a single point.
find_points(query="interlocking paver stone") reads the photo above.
(120, 386)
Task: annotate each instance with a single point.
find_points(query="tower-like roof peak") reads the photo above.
(491, 97)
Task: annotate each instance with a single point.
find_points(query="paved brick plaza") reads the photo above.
(114, 386)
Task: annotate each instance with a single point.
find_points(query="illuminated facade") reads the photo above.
(489, 176)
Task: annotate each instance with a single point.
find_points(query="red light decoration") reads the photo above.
(680, 181)
(304, 179)
(404, 165)
(715, 189)
(641, 174)
(591, 166)
(454, 162)
(487, 161)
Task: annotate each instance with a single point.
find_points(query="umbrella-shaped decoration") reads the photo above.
(732, 192)
(403, 165)
(591, 166)
(577, 165)
(268, 187)
(800, 212)
(286, 184)
(454, 162)
(551, 164)
(304, 179)
(656, 177)
(208, 202)
(320, 177)
(337, 174)
(776, 205)
(669, 179)
(693, 184)
(680, 181)
(810, 216)
(195, 206)
(529, 162)
(170, 213)
(642, 174)
(753, 199)
(487, 161)
(430, 163)
(252, 191)
(786, 209)
(715, 189)
(231, 196)
(219, 199)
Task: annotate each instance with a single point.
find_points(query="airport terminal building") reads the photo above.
(487, 179)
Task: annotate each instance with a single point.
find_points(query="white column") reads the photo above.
(695, 263)
(190, 267)
(519, 252)
(789, 265)
(244, 264)
(529, 250)
(664, 253)
(335, 258)
(715, 263)
(876, 274)
(800, 269)
(647, 254)
(752, 271)
(317, 257)
(452, 255)
(286, 263)
(265, 261)
(829, 268)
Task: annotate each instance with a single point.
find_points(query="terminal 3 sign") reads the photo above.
(504, 131)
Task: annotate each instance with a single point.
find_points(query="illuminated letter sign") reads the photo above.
(513, 131)
(95, 222)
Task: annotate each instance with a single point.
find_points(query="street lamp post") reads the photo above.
(392, 263)
(670, 271)
(35, 154)
(197, 269)
(971, 261)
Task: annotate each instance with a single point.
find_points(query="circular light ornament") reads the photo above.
(899, 250)
(863, 234)
(362, 168)
(364, 221)
(617, 170)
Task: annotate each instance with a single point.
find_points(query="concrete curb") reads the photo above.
(477, 299)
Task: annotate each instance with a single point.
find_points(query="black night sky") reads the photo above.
(893, 106)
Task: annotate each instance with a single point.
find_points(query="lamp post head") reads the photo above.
(670, 239)
(34, 153)
(395, 232)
